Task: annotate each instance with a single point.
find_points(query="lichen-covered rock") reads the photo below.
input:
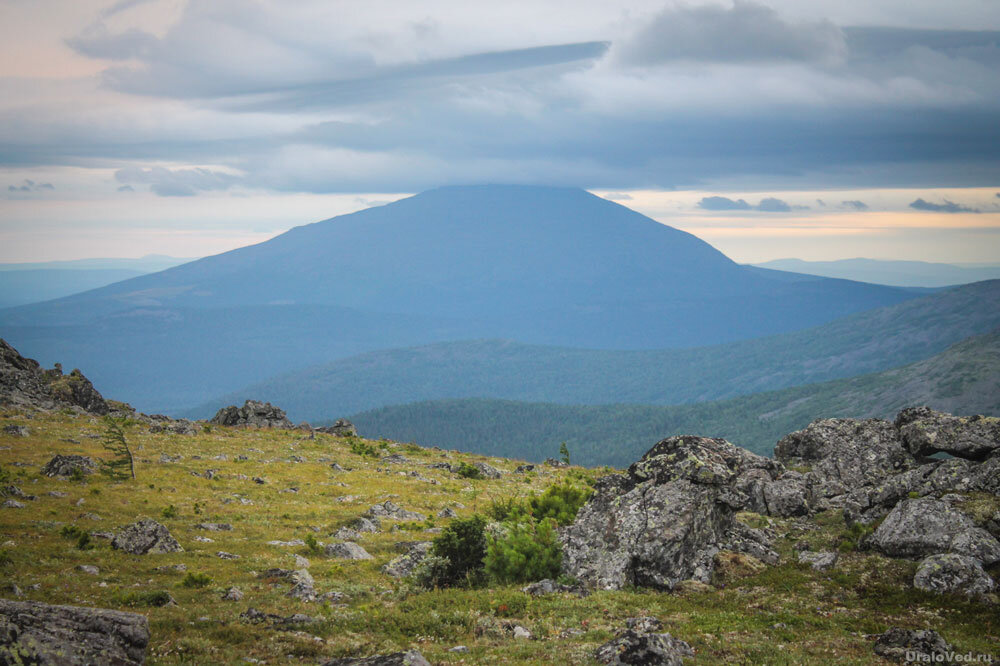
(23, 383)
(340, 428)
(15, 430)
(916, 528)
(391, 511)
(844, 455)
(949, 573)
(488, 471)
(405, 565)
(549, 586)
(408, 658)
(925, 431)
(911, 645)
(145, 536)
(645, 649)
(65, 466)
(346, 551)
(37, 633)
(663, 521)
(821, 561)
(787, 496)
(253, 414)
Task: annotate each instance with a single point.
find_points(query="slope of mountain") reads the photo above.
(21, 287)
(141, 265)
(964, 379)
(865, 342)
(896, 273)
(537, 264)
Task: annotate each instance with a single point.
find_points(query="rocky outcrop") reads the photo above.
(949, 573)
(23, 383)
(391, 511)
(408, 658)
(346, 551)
(252, 414)
(916, 528)
(549, 586)
(925, 431)
(406, 564)
(37, 633)
(642, 645)
(66, 466)
(909, 645)
(844, 455)
(144, 537)
(663, 521)
(340, 428)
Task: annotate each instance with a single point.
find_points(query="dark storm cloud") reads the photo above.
(854, 205)
(744, 32)
(946, 207)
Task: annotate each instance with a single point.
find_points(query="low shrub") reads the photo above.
(197, 580)
(560, 502)
(526, 551)
(463, 545)
(467, 471)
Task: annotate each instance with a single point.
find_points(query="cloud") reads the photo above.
(30, 186)
(723, 203)
(624, 196)
(746, 32)
(854, 205)
(772, 205)
(126, 188)
(946, 207)
(177, 182)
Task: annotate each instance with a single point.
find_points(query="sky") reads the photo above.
(818, 129)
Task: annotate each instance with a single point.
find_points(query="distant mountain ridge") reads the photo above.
(541, 265)
(895, 273)
(862, 343)
(964, 379)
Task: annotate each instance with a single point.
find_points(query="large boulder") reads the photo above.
(925, 431)
(949, 573)
(144, 537)
(346, 551)
(916, 528)
(340, 428)
(844, 455)
(66, 466)
(664, 521)
(253, 414)
(406, 564)
(23, 383)
(909, 645)
(641, 644)
(37, 633)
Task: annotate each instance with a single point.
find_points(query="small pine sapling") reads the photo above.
(122, 466)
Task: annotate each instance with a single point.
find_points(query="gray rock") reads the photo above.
(286, 622)
(145, 536)
(13, 504)
(16, 430)
(346, 534)
(663, 521)
(521, 633)
(844, 455)
(787, 496)
(916, 528)
(925, 431)
(447, 512)
(233, 594)
(646, 649)
(64, 466)
(821, 561)
(408, 658)
(88, 569)
(644, 625)
(391, 511)
(459, 649)
(23, 383)
(223, 555)
(214, 527)
(911, 645)
(405, 565)
(340, 428)
(37, 633)
(488, 471)
(549, 586)
(253, 414)
(949, 573)
(165, 424)
(347, 551)
(523, 469)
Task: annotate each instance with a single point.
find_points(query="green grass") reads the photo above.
(786, 614)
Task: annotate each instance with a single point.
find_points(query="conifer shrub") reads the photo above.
(463, 545)
(527, 551)
(560, 502)
(467, 471)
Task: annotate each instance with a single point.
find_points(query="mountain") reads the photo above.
(540, 265)
(141, 265)
(21, 287)
(963, 379)
(896, 273)
(866, 342)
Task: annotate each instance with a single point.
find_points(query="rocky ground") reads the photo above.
(259, 542)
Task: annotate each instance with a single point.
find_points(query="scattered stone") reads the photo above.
(223, 555)
(521, 633)
(258, 480)
(37, 633)
(214, 527)
(254, 616)
(459, 649)
(635, 647)
(300, 562)
(347, 550)
(405, 565)
(447, 512)
(103, 535)
(16, 430)
(644, 625)
(90, 516)
(340, 428)
(346, 534)
(392, 511)
(145, 536)
(821, 561)
(522, 469)
(253, 414)
(233, 594)
(57, 493)
(549, 586)
(88, 569)
(65, 466)
(916, 528)
(949, 573)
(908, 645)
(294, 543)
(172, 567)
(552, 462)
(202, 539)
(13, 504)
(408, 658)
